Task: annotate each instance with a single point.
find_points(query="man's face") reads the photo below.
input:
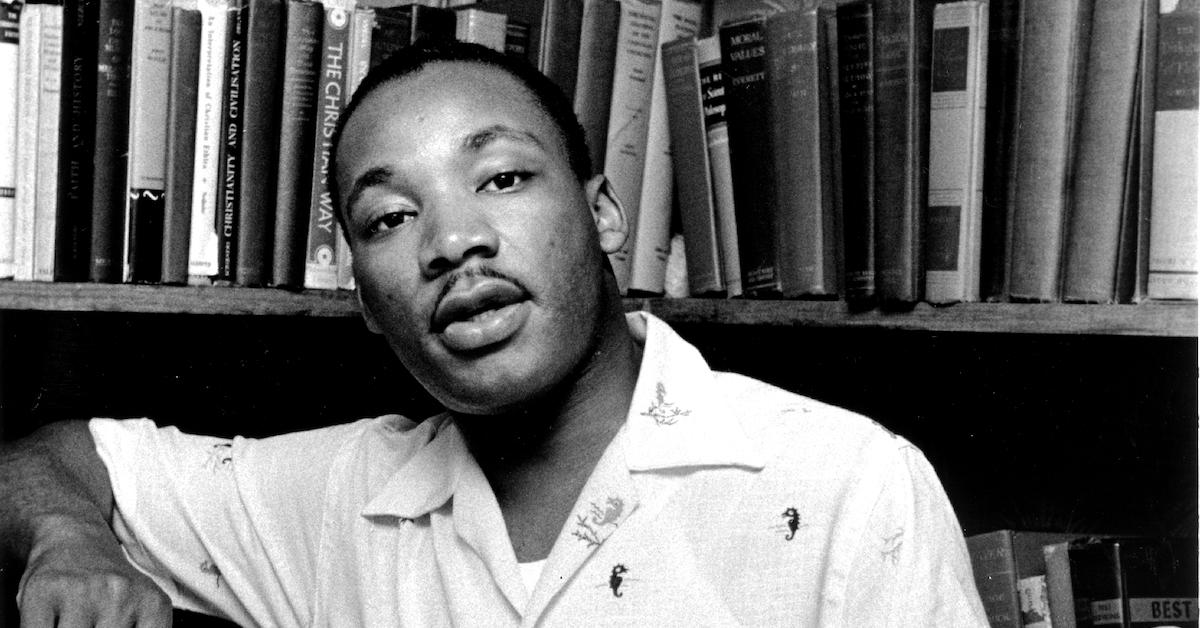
(476, 249)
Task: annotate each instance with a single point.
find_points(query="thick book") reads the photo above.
(478, 26)
(526, 21)
(954, 213)
(1173, 262)
(1102, 207)
(1001, 100)
(320, 259)
(856, 118)
(229, 157)
(203, 250)
(109, 185)
(652, 234)
(747, 97)
(1054, 38)
(594, 82)
(48, 153)
(1006, 561)
(181, 141)
(150, 70)
(10, 15)
(297, 105)
(259, 143)
(691, 167)
(903, 33)
(1138, 582)
(716, 128)
(77, 132)
(800, 115)
(558, 51)
(629, 116)
(399, 26)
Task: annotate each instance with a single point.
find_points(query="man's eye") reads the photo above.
(390, 221)
(504, 181)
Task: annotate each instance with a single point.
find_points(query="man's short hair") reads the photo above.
(411, 59)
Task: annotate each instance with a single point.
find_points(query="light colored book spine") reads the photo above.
(712, 86)
(628, 122)
(1173, 205)
(50, 86)
(203, 250)
(28, 93)
(486, 28)
(9, 69)
(954, 215)
(149, 74)
(652, 235)
(359, 63)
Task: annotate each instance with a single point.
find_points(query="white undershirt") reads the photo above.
(531, 572)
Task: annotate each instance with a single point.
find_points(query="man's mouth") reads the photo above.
(480, 311)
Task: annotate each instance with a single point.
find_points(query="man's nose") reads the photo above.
(454, 234)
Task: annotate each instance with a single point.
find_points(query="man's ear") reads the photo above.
(367, 316)
(608, 213)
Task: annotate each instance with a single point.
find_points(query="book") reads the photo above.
(486, 28)
(856, 118)
(1005, 562)
(691, 166)
(358, 56)
(1136, 582)
(297, 106)
(1132, 281)
(1172, 264)
(203, 246)
(903, 30)
(526, 23)
(77, 134)
(629, 116)
(1101, 203)
(743, 60)
(10, 16)
(229, 156)
(716, 127)
(652, 234)
(1000, 103)
(181, 141)
(1060, 597)
(806, 227)
(259, 141)
(954, 212)
(150, 70)
(109, 165)
(399, 26)
(1053, 40)
(320, 260)
(558, 50)
(594, 82)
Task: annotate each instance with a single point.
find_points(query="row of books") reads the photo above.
(1062, 580)
(903, 150)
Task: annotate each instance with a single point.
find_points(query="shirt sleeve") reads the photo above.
(227, 527)
(911, 567)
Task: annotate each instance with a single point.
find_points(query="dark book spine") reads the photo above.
(1096, 582)
(320, 271)
(392, 31)
(230, 160)
(77, 134)
(301, 62)
(431, 24)
(857, 111)
(260, 128)
(1159, 583)
(112, 140)
(181, 143)
(747, 97)
(903, 34)
(593, 87)
(1002, 64)
(560, 43)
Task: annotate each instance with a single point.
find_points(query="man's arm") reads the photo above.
(55, 515)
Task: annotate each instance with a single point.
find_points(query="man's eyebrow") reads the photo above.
(372, 177)
(476, 141)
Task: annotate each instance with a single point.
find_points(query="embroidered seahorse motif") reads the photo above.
(590, 526)
(662, 411)
(793, 522)
(615, 579)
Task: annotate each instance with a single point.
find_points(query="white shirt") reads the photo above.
(722, 501)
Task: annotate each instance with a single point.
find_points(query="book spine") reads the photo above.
(1100, 195)
(431, 24)
(1058, 584)
(1053, 47)
(1173, 266)
(358, 61)
(903, 30)
(10, 35)
(996, 577)
(486, 28)
(229, 156)
(716, 129)
(320, 270)
(259, 144)
(857, 120)
(181, 143)
(28, 95)
(954, 213)
(1003, 31)
(517, 37)
(210, 95)
(301, 62)
(691, 167)
(1158, 577)
(652, 236)
(1096, 582)
(48, 154)
(150, 70)
(109, 186)
(1138, 241)
(593, 87)
(747, 96)
(77, 133)
(559, 47)
(803, 182)
(629, 116)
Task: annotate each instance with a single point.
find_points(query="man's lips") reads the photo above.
(473, 297)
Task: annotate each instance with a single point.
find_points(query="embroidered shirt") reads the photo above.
(722, 501)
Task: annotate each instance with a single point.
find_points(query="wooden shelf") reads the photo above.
(1152, 319)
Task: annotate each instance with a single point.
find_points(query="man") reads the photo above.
(590, 468)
